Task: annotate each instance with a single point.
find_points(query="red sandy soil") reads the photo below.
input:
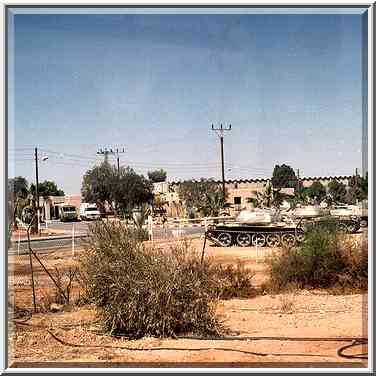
(297, 314)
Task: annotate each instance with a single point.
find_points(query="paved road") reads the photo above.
(49, 245)
(79, 226)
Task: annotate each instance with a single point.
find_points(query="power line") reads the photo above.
(107, 152)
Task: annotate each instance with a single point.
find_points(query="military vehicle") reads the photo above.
(270, 229)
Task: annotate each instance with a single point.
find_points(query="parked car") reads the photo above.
(89, 212)
(68, 213)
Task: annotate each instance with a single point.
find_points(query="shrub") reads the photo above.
(325, 259)
(233, 281)
(147, 291)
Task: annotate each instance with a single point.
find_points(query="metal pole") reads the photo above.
(118, 162)
(31, 264)
(19, 241)
(223, 167)
(73, 240)
(203, 249)
(36, 187)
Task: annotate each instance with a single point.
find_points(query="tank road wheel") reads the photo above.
(341, 227)
(364, 223)
(244, 240)
(352, 227)
(288, 239)
(259, 239)
(273, 240)
(224, 239)
(300, 237)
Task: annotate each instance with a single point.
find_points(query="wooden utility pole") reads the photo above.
(221, 131)
(107, 152)
(36, 188)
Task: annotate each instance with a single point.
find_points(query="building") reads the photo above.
(50, 205)
(240, 192)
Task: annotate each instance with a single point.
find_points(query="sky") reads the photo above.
(289, 84)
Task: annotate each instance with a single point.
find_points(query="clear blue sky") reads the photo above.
(290, 85)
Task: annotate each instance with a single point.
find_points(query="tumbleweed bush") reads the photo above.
(140, 290)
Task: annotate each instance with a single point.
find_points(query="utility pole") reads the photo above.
(104, 152)
(220, 132)
(298, 180)
(107, 152)
(36, 187)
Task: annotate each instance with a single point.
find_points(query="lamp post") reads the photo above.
(44, 158)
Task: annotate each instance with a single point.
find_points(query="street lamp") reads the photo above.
(44, 158)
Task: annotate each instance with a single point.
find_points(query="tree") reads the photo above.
(18, 186)
(301, 197)
(157, 176)
(131, 190)
(47, 188)
(270, 197)
(358, 189)
(18, 191)
(364, 185)
(316, 192)
(97, 186)
(284, 177)
(120, 191)
(205, 196)
(336, 191)
(159, 203)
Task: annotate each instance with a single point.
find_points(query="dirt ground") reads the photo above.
(72, 338)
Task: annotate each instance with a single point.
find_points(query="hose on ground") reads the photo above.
(354, 342)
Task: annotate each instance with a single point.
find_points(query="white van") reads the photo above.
(89, 212)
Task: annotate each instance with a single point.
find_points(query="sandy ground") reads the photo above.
(295, 315)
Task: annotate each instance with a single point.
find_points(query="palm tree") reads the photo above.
(271, 197)
(214, 202)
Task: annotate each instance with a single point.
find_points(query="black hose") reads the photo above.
(305, 339)
(356, 342)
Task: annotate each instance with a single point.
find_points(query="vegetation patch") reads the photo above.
(326, 259)
(141, 291)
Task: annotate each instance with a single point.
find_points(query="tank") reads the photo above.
(258, 216)
(262, 228)
(309, 211)
(359, 212)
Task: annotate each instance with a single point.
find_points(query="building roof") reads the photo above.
(265, 180)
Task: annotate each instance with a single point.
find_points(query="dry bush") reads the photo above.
(354, 276)
(326, 259)
(62, 288)
(287, 303)
(143, 291)
(234, 281)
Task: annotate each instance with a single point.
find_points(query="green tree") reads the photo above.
(47, 188)
(316, 192)
(204, 195)
(18, 191)
(284, 177)
(157, 176)
(97, 186)
(301, 197)
(120, 191)
(336, 191)
(358, 189)
(131, 190)
(364, 185)
(270, 197)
